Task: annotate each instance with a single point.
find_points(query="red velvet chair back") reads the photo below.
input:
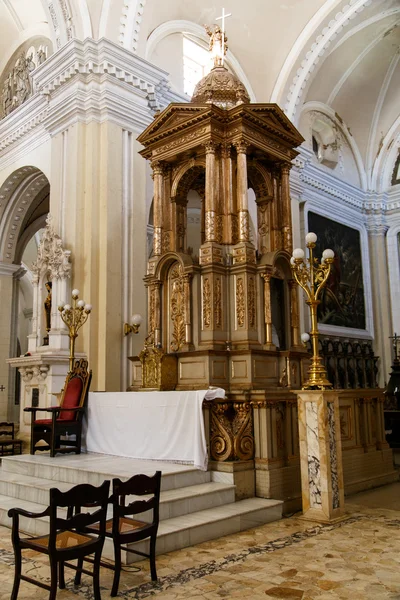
(75, 390)
(72, 398)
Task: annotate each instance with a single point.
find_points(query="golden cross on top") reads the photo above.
(222, 19)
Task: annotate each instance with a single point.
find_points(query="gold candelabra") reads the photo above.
(74, 317)
(312, 279)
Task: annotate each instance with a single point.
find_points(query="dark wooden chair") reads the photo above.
(66, 419)
(68, 538)
(8, 443)
(124, 529)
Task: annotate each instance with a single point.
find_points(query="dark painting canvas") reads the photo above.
(343, 298)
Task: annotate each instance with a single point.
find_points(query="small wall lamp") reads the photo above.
(305, 338)
(134, 328)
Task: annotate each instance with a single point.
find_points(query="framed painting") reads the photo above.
(342, 300)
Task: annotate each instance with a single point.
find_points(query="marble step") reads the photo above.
(95, 468)
(173, 502)
(174, 533)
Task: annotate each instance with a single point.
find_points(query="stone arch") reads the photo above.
(196, 30)
(295, 78)
(24, 198)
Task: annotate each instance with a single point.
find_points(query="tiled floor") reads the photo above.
(358, 559)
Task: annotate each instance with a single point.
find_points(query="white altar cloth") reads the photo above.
(149, 425)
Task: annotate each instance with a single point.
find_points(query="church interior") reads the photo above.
(199, 266)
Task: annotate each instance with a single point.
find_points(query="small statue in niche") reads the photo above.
(47, 309)
(41, 56)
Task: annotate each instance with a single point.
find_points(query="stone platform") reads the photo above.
(193, 507)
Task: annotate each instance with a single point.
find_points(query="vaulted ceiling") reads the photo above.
(341, 53)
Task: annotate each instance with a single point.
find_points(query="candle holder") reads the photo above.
(312, 279)
(74, 317)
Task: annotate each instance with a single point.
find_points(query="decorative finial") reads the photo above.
(218, 40)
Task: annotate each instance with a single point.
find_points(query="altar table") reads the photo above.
(149, 425)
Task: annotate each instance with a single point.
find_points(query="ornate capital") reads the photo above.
(158, 167)
(210, 147)
(226, 151)
(241, 147)
(266, 277)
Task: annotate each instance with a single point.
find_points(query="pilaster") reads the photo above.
(380, 297)
(9, 310)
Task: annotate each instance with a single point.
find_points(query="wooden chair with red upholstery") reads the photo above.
(66, 419)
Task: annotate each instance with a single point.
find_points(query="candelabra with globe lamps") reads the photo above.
(74, 317)
(312, 278)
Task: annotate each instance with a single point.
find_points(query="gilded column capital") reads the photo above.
(285, 168)
(241, 147)
(159, 167)
(210, 147)
(266, 276)
(226, 150)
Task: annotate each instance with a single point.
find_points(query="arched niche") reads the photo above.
(187, 195)
(280, 303)
(195, 218)
(260, 197)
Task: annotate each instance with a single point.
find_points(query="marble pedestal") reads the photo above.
(320, 455)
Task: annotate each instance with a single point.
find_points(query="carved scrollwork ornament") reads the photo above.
(210, 224)
(51, 256)
(242, 429)
(177, 308)
(221, 445)
(206, 303)
(240, 302)
(244, 226)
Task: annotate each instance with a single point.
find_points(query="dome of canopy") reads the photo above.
(222, 88)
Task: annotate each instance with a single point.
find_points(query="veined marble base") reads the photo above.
(320, 455)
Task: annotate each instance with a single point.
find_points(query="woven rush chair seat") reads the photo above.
(64, 540)
(68, 538)
(124, 529)
(125, 525)
(63, 431)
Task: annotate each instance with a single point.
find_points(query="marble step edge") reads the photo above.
(73, 475)
(174, 524)
(174, 502)
(174, 534)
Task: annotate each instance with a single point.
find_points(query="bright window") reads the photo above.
(196, 64)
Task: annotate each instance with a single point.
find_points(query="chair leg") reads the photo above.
(61, 575)
(153, 558)
(117, 568)
(78, 574)
(32, 445)
(17, 573)
(53, 581)
(96, 576)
